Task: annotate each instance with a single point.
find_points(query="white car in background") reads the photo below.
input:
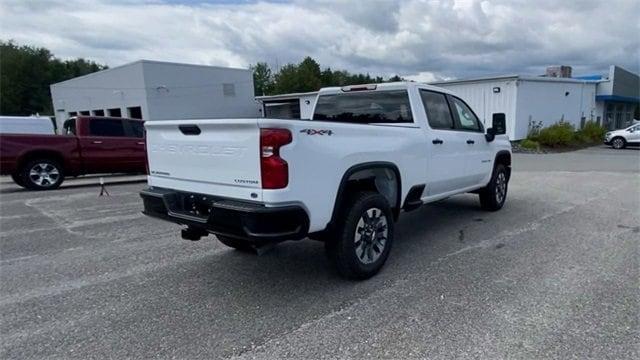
(619, 139)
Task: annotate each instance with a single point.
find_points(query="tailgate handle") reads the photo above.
(190, 129)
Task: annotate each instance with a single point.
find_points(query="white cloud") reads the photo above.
(424, 76)
(417, 39)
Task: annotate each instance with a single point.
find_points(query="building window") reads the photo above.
(134, 112)
(98, 112)
(85, 113)
(228, 89)
(115, 112)
(73, 114)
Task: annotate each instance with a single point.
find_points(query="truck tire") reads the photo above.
(42, 174)
(362, 240)
(493, 196)
(17, 178)
(237, 244)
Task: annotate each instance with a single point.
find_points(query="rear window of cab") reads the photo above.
(365, 107)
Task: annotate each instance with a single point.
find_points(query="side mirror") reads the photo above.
(490, 135)
(499, 123)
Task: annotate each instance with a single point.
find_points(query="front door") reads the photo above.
(478, 150)
(634, 135)
(446, 170)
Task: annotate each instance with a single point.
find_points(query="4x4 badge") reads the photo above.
(316, 132)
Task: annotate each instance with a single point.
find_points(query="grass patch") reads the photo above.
(530, 144)
(591, 132)
(562, 135)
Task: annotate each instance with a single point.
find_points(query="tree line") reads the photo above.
(305, 76)
(27, 71)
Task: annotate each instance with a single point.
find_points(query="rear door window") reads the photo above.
(437, 108)
(365, 107)
(106, 127)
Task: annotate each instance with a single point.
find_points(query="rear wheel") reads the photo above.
(42, 174)
(362, 241)
(240, 245)
(493, 196)
(618, 143)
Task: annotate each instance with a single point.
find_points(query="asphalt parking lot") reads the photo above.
(555, 274)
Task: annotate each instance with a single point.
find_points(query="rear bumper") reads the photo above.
(240, 219)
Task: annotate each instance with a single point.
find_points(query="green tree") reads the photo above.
(262, 79)
(309, 74)
(306, 76)
(286, 79)
(326, 78)
(26, 73)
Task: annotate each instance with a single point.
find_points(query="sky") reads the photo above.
(419, 40)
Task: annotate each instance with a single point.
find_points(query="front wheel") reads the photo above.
(362, 241)
(42, 174)
(493, 196)
(618, 143)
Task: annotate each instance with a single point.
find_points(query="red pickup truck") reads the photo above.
(90, 145)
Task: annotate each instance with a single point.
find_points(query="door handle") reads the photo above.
(470, 142)
(97, 142)
(140, 142)
(437, 141)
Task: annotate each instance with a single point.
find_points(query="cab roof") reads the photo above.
(399, 85)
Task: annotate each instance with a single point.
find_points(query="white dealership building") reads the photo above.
(610, 100)
(154, 90)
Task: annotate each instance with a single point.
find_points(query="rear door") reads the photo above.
(218, 157)
(478, 161)
(106, 148)
(446, 169)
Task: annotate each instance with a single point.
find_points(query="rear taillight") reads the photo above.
(274, 170)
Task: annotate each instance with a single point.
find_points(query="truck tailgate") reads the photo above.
(216, 157)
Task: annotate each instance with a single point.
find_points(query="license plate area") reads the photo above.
(192, 205)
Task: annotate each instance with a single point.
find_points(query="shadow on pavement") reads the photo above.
(17, 189)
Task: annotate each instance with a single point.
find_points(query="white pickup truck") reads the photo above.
(342, 177)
